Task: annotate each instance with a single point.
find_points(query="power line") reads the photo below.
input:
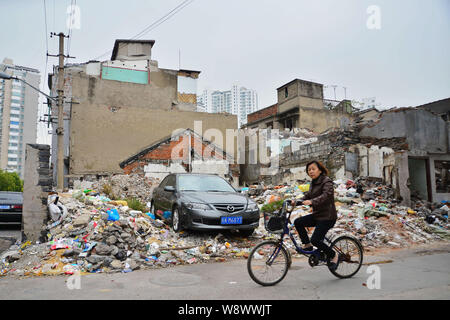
(46, 55)
(72, 8)
(45, 19)
(171, 13)
(155, 24)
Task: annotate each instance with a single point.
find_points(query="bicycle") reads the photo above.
(270, 255)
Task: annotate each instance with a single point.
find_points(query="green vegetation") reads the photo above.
(273, 206)
(107, 190)
(10, 181)
(135, 204)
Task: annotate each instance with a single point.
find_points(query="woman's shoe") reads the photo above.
(334, 263)
(308, 247)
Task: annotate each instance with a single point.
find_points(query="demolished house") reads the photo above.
(301, 104)
(184, 151)
(407, 148)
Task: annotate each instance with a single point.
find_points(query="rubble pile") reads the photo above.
(89, 232)
(98, 234)
(368, 210)
(299, 134)
(124, 186)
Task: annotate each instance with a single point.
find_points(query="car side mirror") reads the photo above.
(169, 189)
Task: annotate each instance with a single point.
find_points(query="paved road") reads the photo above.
(420, 273)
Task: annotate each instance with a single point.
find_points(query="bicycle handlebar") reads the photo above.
(290, 202)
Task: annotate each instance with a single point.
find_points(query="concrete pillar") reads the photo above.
(402, 173)
(37, 184)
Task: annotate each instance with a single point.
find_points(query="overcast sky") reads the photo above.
(260, 44)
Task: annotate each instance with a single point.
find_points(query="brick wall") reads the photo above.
(163, 153)
(315, 150)
(263, 113)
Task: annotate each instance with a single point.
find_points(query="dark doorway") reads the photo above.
(419, 178)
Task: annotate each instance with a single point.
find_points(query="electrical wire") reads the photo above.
(155, 24)
(69, 33)
(46, 55)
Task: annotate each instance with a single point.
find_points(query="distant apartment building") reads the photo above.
(18, 114)
(239, 101)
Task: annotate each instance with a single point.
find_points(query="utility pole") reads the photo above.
(60, 129)
(60, 104)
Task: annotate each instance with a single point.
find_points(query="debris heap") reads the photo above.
(98, 234)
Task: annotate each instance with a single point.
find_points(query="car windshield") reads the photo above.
(203, 183)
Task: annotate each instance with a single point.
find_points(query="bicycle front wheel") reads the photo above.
(268, 263)
(350, 256)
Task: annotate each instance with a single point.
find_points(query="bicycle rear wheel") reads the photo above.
(268, 263)
(350, 256)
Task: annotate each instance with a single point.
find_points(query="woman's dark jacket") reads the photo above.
(321, 194)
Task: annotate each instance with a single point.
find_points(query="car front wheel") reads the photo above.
(246, 232)
(176, 222)
(152, 208)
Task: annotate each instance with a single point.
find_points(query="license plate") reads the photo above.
(231, 220)
(5, 207)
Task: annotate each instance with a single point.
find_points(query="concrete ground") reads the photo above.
(415, 273)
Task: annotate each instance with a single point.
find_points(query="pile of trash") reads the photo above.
(90, 233)
(368, 210)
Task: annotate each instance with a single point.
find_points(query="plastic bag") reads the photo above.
(113, 215)
(303, 187)
(167, 214)
(57, 210)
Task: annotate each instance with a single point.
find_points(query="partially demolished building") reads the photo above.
(114, 108)
(407, 148)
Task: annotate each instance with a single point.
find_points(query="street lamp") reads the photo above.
(10, 77)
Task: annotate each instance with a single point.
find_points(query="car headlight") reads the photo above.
(197, 206)
(252, 206)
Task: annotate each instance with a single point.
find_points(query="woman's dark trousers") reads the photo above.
(321, 229)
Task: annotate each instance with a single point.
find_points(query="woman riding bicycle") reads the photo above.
(321, 197)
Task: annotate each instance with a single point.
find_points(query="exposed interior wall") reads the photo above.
(159, 94)
(320, 120)
(101, 138)
(402, 173)
(424, 131)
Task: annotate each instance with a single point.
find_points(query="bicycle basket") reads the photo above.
(273, 222)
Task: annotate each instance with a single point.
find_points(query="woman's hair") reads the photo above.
(319, 165)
